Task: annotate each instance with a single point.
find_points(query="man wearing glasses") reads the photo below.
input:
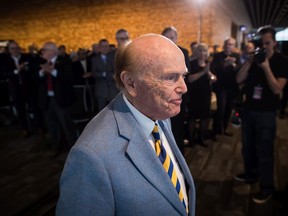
(122, 36)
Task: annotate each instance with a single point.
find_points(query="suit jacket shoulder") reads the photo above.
(113, 170)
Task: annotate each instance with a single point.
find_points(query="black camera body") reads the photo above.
(259, 55)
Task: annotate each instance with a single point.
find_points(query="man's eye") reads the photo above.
(171, 77)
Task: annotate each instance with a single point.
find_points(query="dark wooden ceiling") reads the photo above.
(268, 12)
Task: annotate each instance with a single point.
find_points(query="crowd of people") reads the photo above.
(41, 84)
(43, 81)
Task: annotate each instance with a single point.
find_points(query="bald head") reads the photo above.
(49, 50)
(153, 44)
(150, 70)
(148, 52)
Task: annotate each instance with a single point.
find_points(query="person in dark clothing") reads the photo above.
(62, 51)
(178, 126)
(122, 38)
(18, 69)
(264, 81)
(102, 67)
(283, 102)
(56, 95)
(199, 92)
(225, 65)
(82, 69)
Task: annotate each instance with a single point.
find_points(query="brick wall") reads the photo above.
(79, 23)
(226, 13)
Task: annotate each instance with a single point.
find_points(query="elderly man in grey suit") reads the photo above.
(126, 161)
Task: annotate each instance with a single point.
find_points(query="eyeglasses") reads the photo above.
(14, 48)
(104, 45)
(122, 38)
(45, 49)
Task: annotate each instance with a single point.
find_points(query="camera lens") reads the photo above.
(259, 55)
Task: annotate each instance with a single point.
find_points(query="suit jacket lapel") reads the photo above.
(177, 153)
(182, 163)
(143, 156)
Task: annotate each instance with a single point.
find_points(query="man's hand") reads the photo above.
(230, 61)
(22, 66)
(276, 84)
(48, 67)
(264, 65)
(87, 75)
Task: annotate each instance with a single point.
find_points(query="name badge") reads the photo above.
(257, 94)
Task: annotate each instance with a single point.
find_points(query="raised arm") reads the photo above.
(276, 84)
(243, 72)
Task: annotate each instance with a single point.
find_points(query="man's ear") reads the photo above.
(129, 83)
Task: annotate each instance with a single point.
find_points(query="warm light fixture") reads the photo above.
(243, 28)
(199, 20)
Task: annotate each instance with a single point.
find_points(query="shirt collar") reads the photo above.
(53, 60)
(146, 123)
(16, 58)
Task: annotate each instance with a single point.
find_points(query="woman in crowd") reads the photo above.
(199, 93)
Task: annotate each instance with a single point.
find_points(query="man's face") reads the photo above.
(48, 52)
(104, 47)
(159, 90)
(172, 36)
(122, 38)
(62, 51)
(229, 46)
(14, 49)
(268, 43)
(81, 55)
(193, 49)
(202, 53)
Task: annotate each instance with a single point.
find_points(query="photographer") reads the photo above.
(264, 75)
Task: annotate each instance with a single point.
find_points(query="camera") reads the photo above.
(259, 55)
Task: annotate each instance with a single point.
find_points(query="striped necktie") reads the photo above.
(167, 164)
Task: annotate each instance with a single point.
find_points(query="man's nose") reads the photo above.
(182, 88)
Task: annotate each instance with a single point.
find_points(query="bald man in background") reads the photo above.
(56, 95)
(115, 166)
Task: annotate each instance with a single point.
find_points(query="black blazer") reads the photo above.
(78, 72)
(226, 76)
(23, 81)
(62, 84)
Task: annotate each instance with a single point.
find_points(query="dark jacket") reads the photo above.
(62, 84)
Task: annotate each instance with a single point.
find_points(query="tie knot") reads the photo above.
(155, 132)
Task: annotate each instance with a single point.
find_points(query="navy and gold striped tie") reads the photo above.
(167, 164)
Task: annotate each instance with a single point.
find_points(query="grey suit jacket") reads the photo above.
(105, 86)
(113, 170)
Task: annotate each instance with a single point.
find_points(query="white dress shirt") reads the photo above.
(53, 73)
(148, 125)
